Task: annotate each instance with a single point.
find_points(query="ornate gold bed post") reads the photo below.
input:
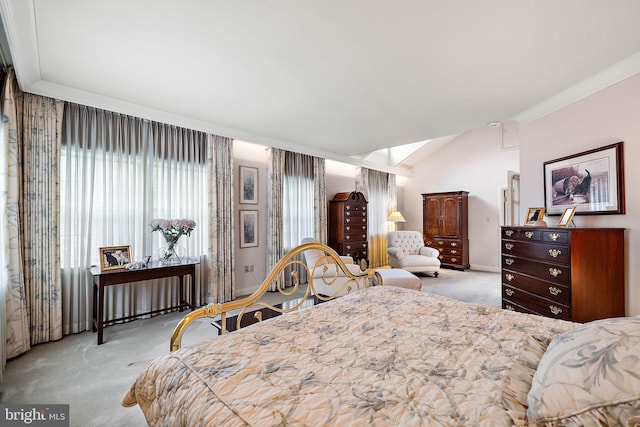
(330, 262)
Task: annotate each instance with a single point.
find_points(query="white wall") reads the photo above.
(340, 177)
(610, 116)
(473, 162)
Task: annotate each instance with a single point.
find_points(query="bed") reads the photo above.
(389, 356)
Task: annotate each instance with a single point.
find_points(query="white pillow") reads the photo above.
(589, 376)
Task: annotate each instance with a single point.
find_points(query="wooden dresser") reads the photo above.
(565, 273)
(348, 225)
(444, 223)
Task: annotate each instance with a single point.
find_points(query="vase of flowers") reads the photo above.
(172, 230)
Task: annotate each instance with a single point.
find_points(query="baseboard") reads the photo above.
(487, 268)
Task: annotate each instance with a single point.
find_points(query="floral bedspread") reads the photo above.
(379, 356)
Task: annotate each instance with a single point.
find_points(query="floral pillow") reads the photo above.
(589, 376)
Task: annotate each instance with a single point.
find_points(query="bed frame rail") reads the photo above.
(330, 264)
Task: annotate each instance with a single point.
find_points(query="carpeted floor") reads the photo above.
(93, 379)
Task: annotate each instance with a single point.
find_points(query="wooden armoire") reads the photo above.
(445, 226)
(348, 225)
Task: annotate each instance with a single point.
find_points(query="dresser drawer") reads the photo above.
(355, 208)
(512, 306)
(560, 274)
(444, 243)
(451, 259)
(535, 304)
(552, 291)
(355, 237)
(355, 220)
(548, 252)
(448, 251)
(531, 234)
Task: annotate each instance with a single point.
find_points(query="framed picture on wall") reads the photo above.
(593, 181)
(248, 229)
(248, 185)
(115, 257)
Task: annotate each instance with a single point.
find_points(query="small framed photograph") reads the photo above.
(593, 181)
(533, 215)
(248, 229)
(115, 257)
(248, 185)
(567, 216)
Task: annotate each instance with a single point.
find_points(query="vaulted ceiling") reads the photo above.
(333, 77)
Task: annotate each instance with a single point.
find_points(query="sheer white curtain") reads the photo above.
(297, 186)
(117, 173)
(379, 188)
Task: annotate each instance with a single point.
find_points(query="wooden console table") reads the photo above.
(102, 279)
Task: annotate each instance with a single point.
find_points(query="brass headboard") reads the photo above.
(329, 264)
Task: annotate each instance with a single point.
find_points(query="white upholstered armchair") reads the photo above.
(406, 250)
(328, 279)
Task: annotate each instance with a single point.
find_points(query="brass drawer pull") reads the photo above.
(509, 292)
(555, 252)
(554, 236)
(529, 234)
(508, 232)
(454, 244)
(429, 243)
(554, 291)
(555, 310)
(453, 252)
(348, 247)
(347, 228)
(555, 272)
(509, 246)
(509, 261)
(509, 307)
(509, 277)
(441, 243)
(347, 237)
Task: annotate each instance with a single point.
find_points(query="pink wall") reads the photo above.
(606, 117)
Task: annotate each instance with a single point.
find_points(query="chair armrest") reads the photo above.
(429, 251)
(346, 259)
(396, 252)
(353, 269)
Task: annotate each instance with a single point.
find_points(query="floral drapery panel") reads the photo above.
(32, 290)
(379, 188)
(221, 241)
(275, 176)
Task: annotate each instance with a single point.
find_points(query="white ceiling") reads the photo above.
(329, 77)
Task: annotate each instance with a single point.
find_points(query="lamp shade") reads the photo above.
(396, 216)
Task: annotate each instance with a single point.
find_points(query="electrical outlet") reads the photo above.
(248, 268)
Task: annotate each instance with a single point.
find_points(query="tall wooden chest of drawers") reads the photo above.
(572, 274)
(348, 225)
(445, 227)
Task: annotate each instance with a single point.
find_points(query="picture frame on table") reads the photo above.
(248, 185)
(566, 217)
(533, 215)
(593, 181)
(115, 257)
(248, 229)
